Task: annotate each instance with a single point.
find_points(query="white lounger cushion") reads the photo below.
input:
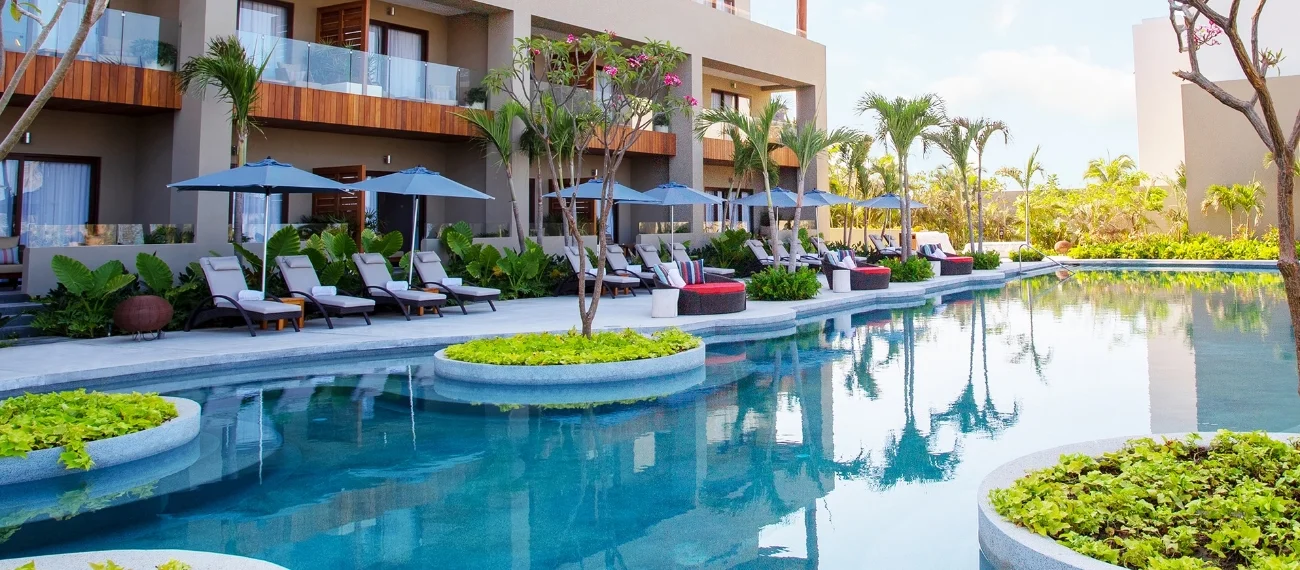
(415, 296)
(344, 301)
(264, 307)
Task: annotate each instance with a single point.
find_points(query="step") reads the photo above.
(13, 297)
(13, 309)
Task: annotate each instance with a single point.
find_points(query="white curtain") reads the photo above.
(264, 18)
(9, 178)
(405, 52)
(254, 223)
(56, 196)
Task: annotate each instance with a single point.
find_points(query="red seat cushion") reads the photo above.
(715, 288)
(961, 259)
(873, 270)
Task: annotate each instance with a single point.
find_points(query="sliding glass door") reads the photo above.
(47, 202)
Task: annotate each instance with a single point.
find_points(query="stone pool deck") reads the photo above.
(66, 364)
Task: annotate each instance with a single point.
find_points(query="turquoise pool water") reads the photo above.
(858, 441)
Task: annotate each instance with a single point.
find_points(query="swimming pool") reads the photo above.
(858, 441)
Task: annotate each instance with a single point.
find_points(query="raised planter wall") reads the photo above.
(142, 559)
(44, 464)
(567, 375)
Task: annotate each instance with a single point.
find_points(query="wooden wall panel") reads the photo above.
(648, 143)
(718, 151)
(95, 82)
(301, 104)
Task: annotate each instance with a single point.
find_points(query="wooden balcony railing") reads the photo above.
(94, 82)
(720, 151)
(290, 104)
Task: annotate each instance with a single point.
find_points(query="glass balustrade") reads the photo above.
(122, 38)
(346, 70)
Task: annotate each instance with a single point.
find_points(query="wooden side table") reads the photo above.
(302, 307)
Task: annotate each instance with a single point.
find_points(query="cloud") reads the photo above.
(1045, 78)
(1006, 14)
(871, 11)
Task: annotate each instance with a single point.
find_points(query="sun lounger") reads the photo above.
(612, 284)
(619, 266)
(760, 252)
(680, 255)
(649, 255)
(378, 279)
(796, 249)
(225, 276)
(779, 252)
(300, 277)
(431, 273)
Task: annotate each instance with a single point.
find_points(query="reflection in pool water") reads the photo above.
(857, 442)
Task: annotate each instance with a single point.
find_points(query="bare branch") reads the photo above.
(28, 57)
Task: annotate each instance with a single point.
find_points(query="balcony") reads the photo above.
(720, 151)
(789, 16)
(126, 63)
(329, 85)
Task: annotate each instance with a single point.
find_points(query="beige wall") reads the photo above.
(1222, 148)
(168, 9)
(134, 158)
(304, 23)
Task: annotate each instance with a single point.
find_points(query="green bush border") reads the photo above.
(546, 349)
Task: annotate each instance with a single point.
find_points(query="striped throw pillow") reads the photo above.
(661, 274)
(847, 258)
(692, 272)
(9, 256)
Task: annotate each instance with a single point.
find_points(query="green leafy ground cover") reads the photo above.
(545, 349)
(987, 261)
(33, 422)
(1200, 246)
(1172, 505)
(777, 283)
(914, 270)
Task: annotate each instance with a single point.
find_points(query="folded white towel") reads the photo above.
(634, 268)
(324, 291)
(453, 281)
(397, 286)
(247, 295)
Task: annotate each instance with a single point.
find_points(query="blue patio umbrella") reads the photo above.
(416, 182)
(674, 194)
(829, 198)
(265, 177)
(782, 198)
(888, 202)
(594, 190)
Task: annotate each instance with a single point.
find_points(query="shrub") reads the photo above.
(779, 284)
(157, 278)
(545, 349)
(728, 250)
(525, 275)
(33, 422)
(1169, 505)
(82, 305)
(915, 270)
(987, 260)
(1026, 255)
(1199, 246)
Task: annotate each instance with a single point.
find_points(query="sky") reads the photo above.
(1059, 73)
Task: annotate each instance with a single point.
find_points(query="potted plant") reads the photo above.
(662, 123)
(476, 98)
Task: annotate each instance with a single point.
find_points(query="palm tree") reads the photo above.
(1025, 178)
(984, 130)
(495, 129)
(531, 142)
(807, 142)
(1109, 172)
(903, 121)
(854, 156)
(1245, 197)
(955, 140)
(745, 163)
(758, 131)
(229, 68)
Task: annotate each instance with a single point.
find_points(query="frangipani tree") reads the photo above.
(903, 121)
(757, 131)
(90, 13)
(807, 141)
(547, 78)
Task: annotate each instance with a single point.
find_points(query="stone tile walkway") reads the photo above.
(68, 363)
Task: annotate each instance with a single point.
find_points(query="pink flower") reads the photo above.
(672, 80)
(572, 39)
(611, 70)
(692, 101)
(611, 33)
(633, 63)
(537, 51)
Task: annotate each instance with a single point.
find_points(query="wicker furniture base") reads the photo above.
(955, 265)
(697, 303)
(867, 278)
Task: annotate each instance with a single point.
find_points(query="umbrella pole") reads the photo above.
(672, 227)
(415, 237)
(266, 236)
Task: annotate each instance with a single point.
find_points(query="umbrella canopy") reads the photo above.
(829, 198)
(416, 182)
(264, 177)
(674, 194)
(888, 202)
(420, 181)
(782, 198)
(594, 190)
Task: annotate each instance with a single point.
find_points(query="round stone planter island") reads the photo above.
(1008, 546)
(570, 374)
(45, 463)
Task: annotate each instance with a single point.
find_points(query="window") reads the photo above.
(47, 200)
(736, 216)
(266, 17)
(728, 6)
(403, 73)
(725, 100)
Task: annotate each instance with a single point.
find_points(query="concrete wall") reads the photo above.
(1222, 148)
(38, 279)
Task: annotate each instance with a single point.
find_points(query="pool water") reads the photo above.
(858, 441)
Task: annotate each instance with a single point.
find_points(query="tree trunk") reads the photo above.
(905, 212)
(241, 159)
(979, 198)
(538, 217)
(970, 223)
(521, 230)
(26, 61)
(771, 211)
(1287, 262)
(88, 19)
(798, 213)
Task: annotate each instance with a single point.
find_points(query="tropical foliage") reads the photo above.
(158, 279)
(987, 260)
(519, 275)
(82, 305)
(1200, 246)
(70, 420)
(913, 270)
(902, 121)
(775, 284)
(546, 349)
(728, 250)
(1246, 198)
(1169, 505)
